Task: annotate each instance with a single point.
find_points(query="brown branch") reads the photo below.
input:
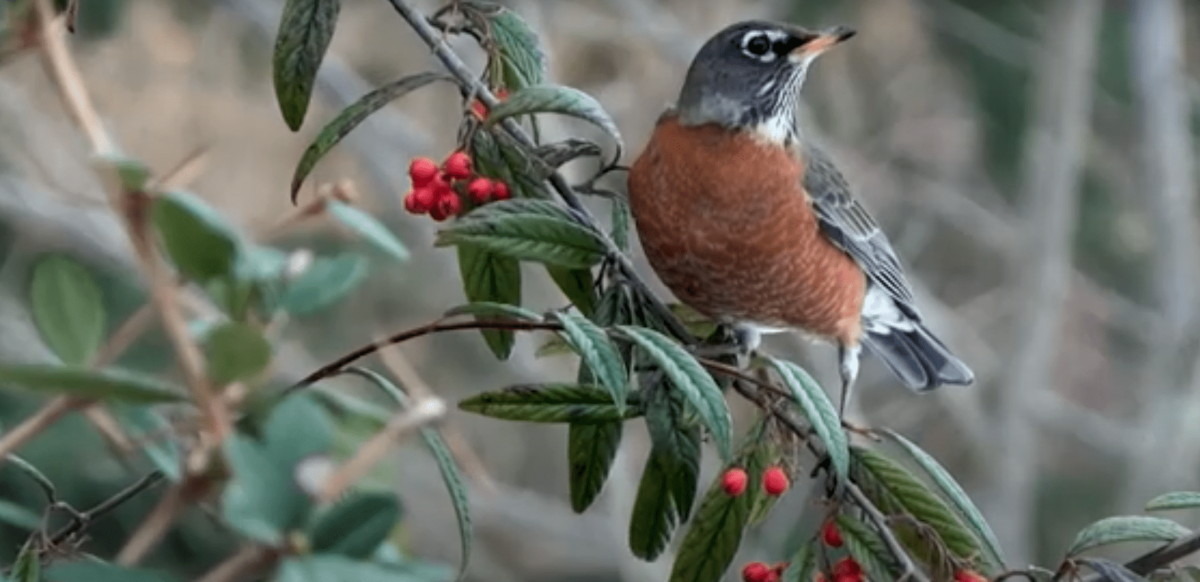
(83, 520)
(154, 527)
(49, 414)
(247, 559)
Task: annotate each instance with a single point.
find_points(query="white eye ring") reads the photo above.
(770, 36)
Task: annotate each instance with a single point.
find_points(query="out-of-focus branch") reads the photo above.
(1055, 155)
(1168, 441)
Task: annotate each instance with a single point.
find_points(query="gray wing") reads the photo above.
(848, 225)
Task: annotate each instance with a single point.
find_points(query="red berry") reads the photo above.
(450, 205)
(847, 568)
(500, 191)
(755, 572)
(969, 576)
(775, 481)
(830, 535)
(773, 576)
(734, 482)
(457, 166)
(819, 577)
(424, 199)
(411, 205)
(480, 190)
(422, 171)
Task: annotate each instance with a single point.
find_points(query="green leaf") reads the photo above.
(865, 545)
(369, 228)
(591, 448)
(357, 525)
(112, 384)
(951, 490)
(574, 403)
(486, 309)
(90, 571)
(28, 566)
(695, 322)
(1174, 500)
(558, 153)
(819, 411)
(340, 127)
(305, 30)
(68, 308)
(578, 285)
(235, 351)
(147, 427)
(297, 428)
(894, 489)
(451, 475)
(520, 60)
(716, 532)
(132, 174)
(654, 510)
(620, 223)
(1128, 528)
(690, 378)
(493, 278)
(335, 568)
(201, 244)
(803, 565)
(19, 516)
(526, 236)
(598, 354)
(561, 100)
(326, 281)
(262, 501)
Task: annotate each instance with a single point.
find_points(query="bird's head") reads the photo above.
(748, 76)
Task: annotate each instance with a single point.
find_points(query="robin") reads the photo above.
(750, 223)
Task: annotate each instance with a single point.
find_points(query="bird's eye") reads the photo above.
(758, 45)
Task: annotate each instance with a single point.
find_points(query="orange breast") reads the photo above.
(727, 227)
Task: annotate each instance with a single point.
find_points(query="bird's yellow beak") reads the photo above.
(823, 40)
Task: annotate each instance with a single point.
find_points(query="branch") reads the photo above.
(82, 521)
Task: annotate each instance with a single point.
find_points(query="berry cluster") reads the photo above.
(760, 572)
(774, 481)
(449, 189)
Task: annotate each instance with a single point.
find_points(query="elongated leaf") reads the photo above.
(345, 122)
(489, 277)
(356, 525)
(865, 545)
(494, 310)
(819, 411)
(958, 498)
(67, 308)
(894, 489)
(305, 30)
(235, 351)
(591, 448)
(562, 152)
(1174, 500)
(599, 354)
(298, 428)
(148, 428)
(369, 228)
(558, 99)
(94, 571)
(1127, 528)
(716, 532)
(690, 378)
(131, 173)
(19, 516)
(620, 223)
(578, 285)
(326, 281)
(451, 475)
(201, 244)
(574, 403)
(803, 565)
(1110, 570)
(526, 237)
(520, 61)
(655, 514)
(110, 384)
(28, 566)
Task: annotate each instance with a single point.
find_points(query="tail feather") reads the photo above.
(918, 358)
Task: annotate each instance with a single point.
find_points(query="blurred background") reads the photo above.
(1034, 162)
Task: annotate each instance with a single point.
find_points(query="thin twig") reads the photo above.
(154, 527)
(83, 520)
(885, 533)
(246, 559)
(49, 414)
(423, 413)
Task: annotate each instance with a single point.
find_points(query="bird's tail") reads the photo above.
(918, 358)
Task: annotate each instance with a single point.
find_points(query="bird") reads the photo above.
(748, 221)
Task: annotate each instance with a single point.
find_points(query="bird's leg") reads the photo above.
(848, 357)
(739, 341)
